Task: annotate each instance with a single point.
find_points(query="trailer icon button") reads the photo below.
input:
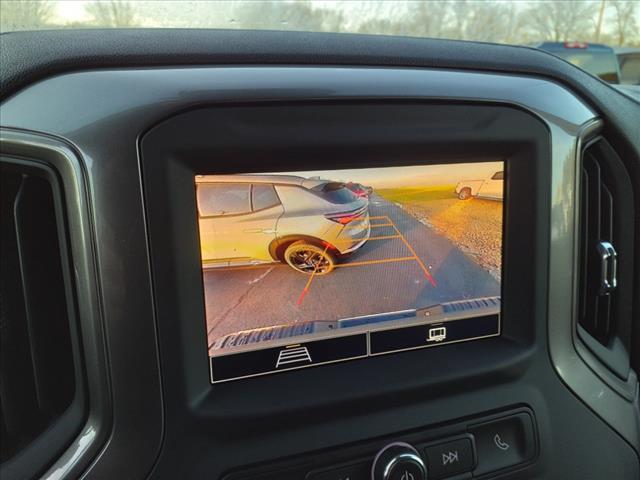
(437, 334)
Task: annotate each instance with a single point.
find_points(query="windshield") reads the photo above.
(335, 193)
(603, 65)
(608, 22)
(630, 68)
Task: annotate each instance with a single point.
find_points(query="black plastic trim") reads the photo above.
(31, 56)
(421, 438)
(183, 146)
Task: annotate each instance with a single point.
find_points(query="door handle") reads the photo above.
(608, 268)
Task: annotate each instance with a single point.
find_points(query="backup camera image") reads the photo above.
(289, 258)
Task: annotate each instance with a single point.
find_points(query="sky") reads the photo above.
(396, 177)
(68, 11)
(358, 11)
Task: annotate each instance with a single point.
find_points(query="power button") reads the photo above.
(504, 442)
(407, 472)
(398, 461)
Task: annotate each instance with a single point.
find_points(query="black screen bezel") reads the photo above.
(250, 137)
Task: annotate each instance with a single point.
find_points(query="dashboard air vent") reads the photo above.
(606, 254)
(598, 257)
(37, 374)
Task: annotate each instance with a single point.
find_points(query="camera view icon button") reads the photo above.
(437, 334)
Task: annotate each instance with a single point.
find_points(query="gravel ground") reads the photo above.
(475, 225)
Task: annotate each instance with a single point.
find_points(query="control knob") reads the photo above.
(398, 461)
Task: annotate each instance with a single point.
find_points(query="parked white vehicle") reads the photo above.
(490, 188)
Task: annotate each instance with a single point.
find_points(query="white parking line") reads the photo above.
(256, 280)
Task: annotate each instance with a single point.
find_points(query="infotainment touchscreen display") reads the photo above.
(306, 268)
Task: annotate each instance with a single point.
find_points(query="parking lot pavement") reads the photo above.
(241, 299)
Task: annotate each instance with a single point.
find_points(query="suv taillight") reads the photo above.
(343, 218)
(576, 45)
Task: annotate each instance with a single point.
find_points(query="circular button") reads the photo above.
(407, 471)
(398, 461)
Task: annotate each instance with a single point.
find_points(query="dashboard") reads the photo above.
(239, 255)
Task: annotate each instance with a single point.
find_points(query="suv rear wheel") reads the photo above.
(308, 258)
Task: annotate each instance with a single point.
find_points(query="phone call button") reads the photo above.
(504, 442)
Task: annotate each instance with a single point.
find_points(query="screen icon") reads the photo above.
(293, 354)
(407, 475)
(437, 334)
(449, 457)
(502, 445)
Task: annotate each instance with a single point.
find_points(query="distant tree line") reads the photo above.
(516, 22)
(607, 21)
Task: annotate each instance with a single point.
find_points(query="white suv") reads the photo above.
(251, 219)
(490, 188)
